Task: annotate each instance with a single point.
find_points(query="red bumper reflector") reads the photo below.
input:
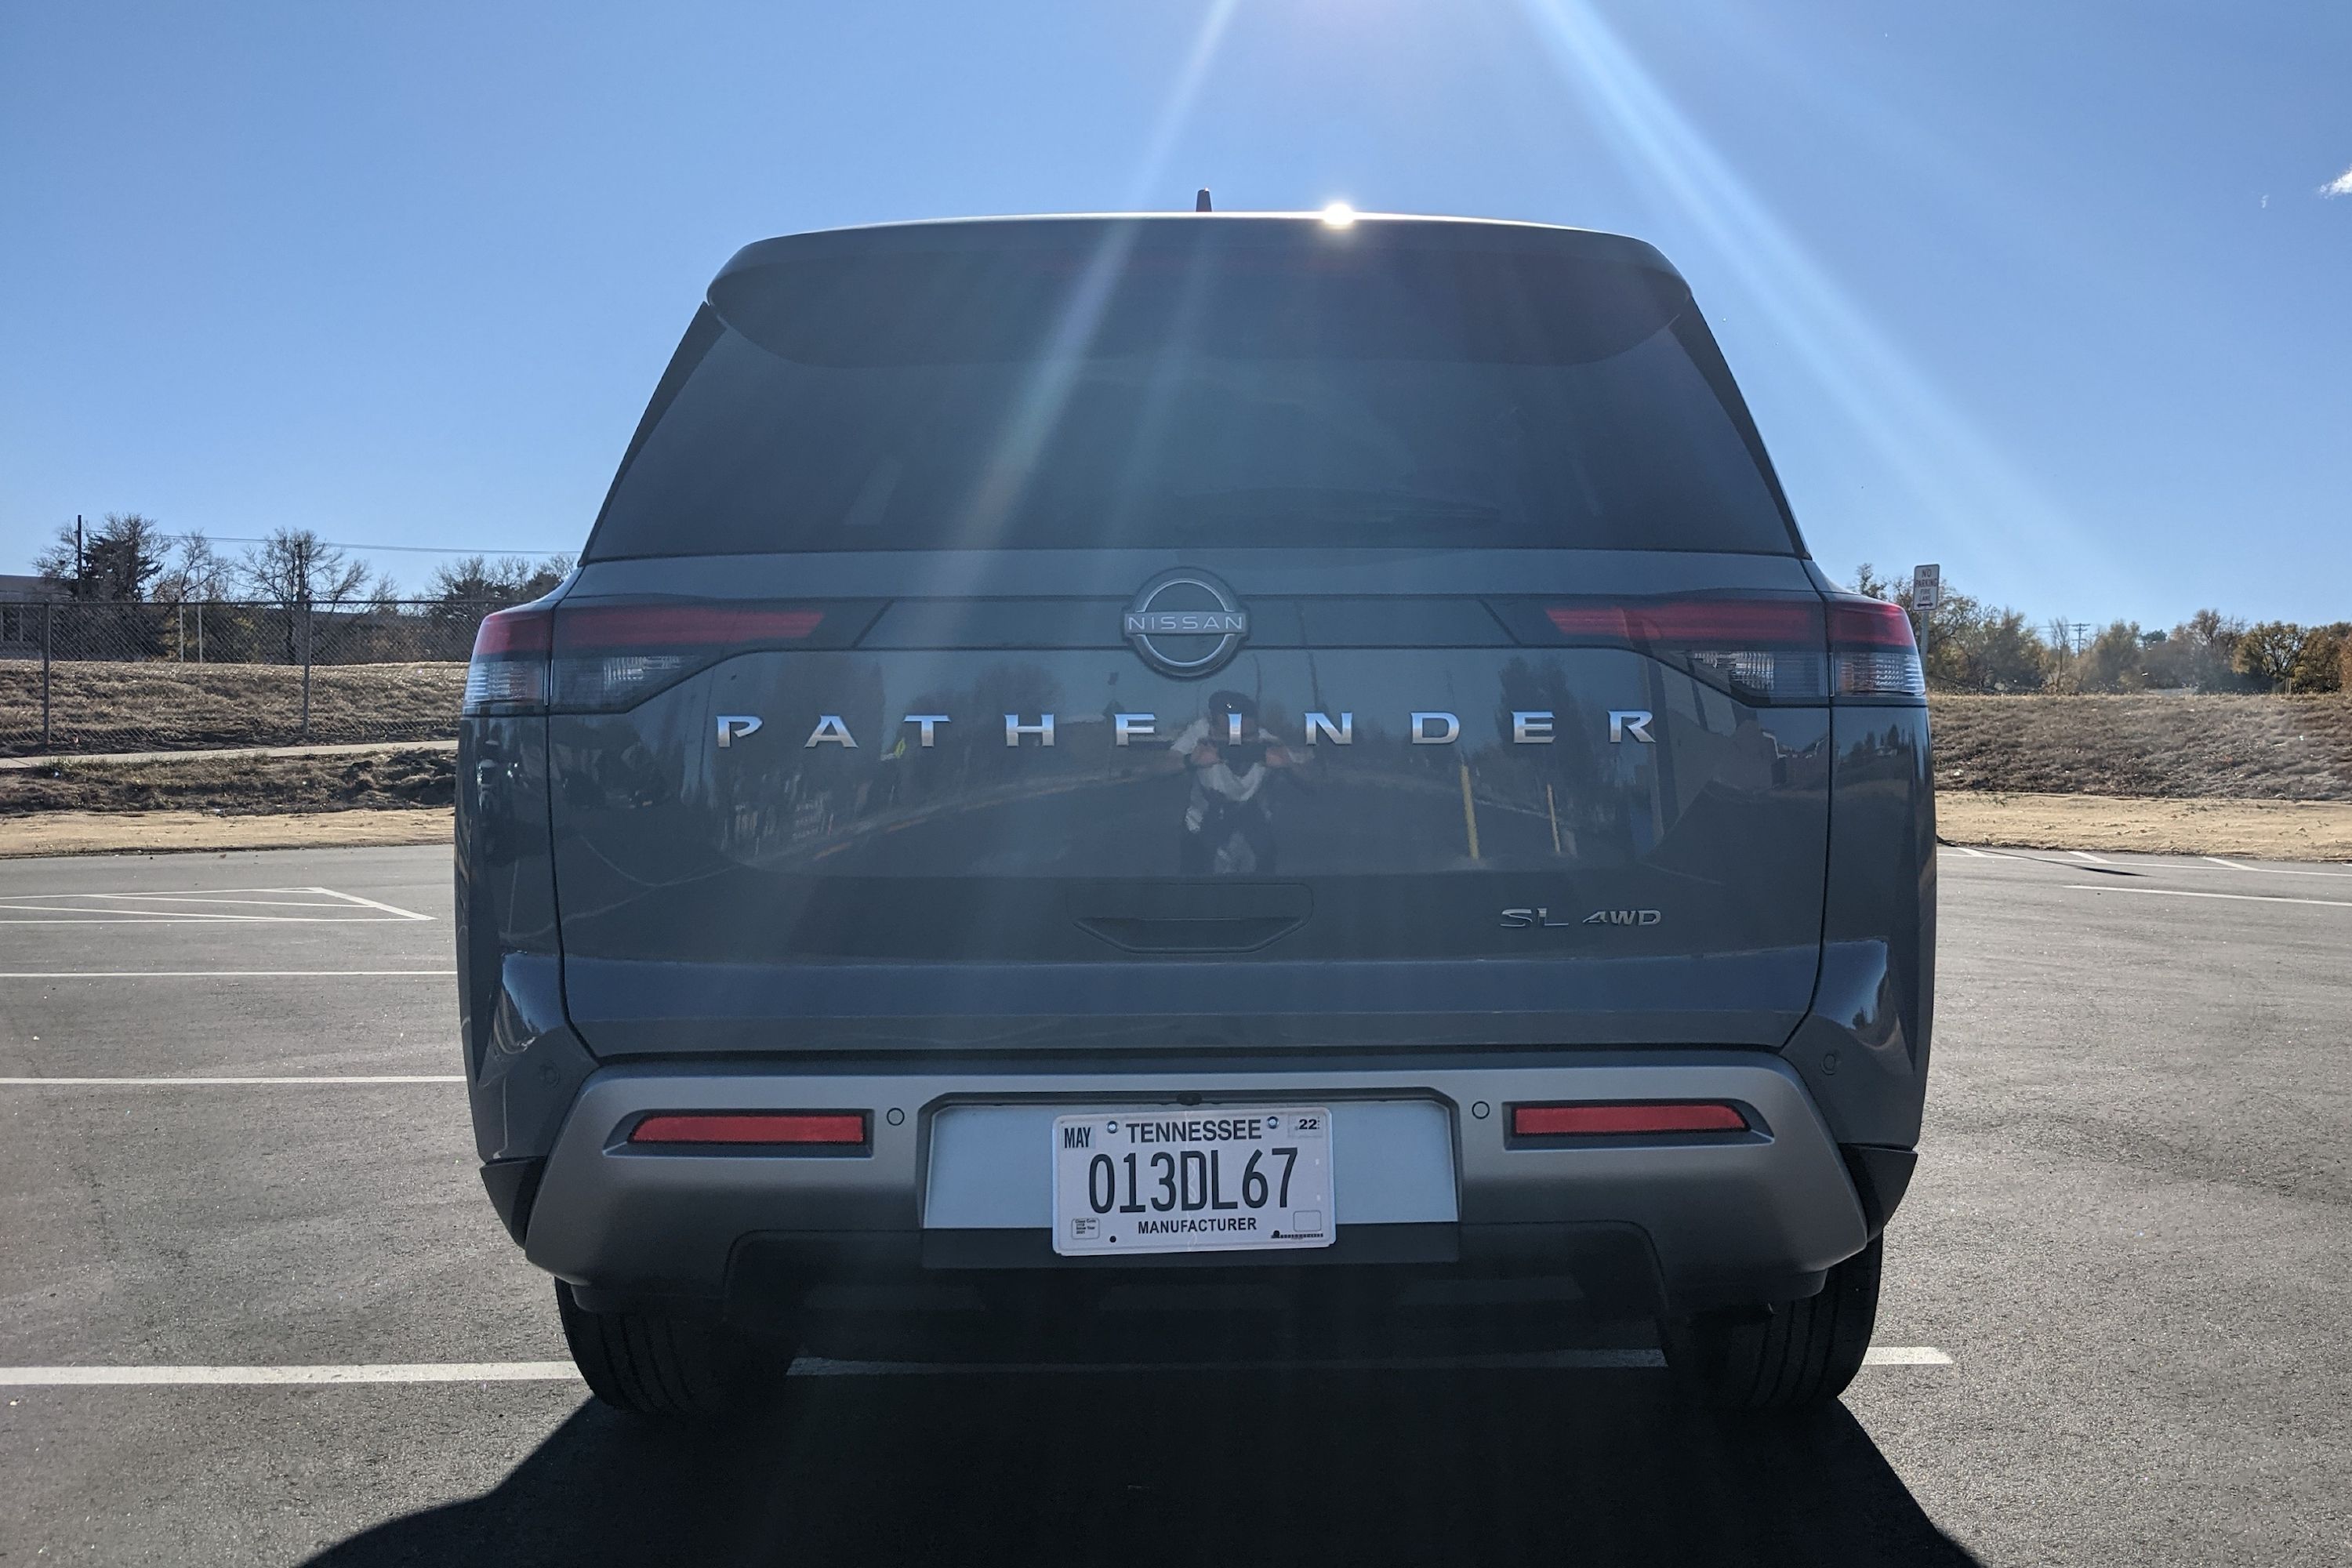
(836, 1127)
(1584, 1120)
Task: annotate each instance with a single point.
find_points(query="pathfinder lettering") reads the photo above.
(1434, 728)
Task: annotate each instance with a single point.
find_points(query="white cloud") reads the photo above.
(2341, 186)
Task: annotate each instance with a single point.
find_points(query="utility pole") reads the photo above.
(82, 569)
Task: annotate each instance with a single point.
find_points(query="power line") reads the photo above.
(347, 544)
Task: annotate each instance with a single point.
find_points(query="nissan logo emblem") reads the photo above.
(1185, 623)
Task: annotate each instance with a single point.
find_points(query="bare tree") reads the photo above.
(295, 569)
(194, 572)
(461, 586)
(509, 580)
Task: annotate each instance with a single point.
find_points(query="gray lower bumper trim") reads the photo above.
(1776, 1204)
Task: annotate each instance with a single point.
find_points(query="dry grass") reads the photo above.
(166, 706)
(2257, 829)
(2168, 747)
(157, 832)
(392, 779)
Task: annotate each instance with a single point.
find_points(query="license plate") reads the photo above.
(1192, 1179)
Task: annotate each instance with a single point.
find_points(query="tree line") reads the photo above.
(1971, 646)
(129, 559)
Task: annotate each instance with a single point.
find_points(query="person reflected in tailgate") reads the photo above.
(1228, 822)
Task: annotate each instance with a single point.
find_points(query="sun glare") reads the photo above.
(1339, 214)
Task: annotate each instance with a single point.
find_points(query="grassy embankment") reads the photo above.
(2207, 774)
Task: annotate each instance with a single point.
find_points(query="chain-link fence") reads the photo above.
(79, 675)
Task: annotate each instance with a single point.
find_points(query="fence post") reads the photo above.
(200, 631)
(48, 620)
(306, 672)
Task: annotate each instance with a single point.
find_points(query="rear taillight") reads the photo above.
(1872, 654)
(743, 1128)
(1786, 648)
(1764, 648)
(1623, 1121)
(613, 654)
(508, 673)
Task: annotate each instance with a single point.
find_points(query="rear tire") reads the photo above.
(1792, 1355)
(651, 1363)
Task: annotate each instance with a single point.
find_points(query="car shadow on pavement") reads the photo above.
(1282, 1465)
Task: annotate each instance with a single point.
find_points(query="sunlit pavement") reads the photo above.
(2129, 1237)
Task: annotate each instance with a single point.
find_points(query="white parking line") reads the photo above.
(371, 903)
(2203, 865)
(185, 918)
(821, 1366)
(223, 974)
(338, 1078)
(215, 906)
(2262, 870)
(2241, 897)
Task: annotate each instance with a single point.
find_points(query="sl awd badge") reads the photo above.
(1539, 918)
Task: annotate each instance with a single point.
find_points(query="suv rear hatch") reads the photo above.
(1242, 634)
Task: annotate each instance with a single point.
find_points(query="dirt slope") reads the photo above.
(2174, 747)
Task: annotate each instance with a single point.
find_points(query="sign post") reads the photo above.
(1927, 593)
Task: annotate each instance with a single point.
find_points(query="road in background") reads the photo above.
(2129, 1233)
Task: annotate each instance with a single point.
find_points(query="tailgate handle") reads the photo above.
(1191, 917)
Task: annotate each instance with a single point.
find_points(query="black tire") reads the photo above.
(655, 1365)
(1792, 1355)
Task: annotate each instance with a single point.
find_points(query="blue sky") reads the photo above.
(2049, 293)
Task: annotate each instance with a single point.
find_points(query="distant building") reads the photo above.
(20, 616)
(18, 589)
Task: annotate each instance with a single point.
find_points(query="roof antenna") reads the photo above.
(1201, 202)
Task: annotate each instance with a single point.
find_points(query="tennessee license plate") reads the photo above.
(1192, 1179)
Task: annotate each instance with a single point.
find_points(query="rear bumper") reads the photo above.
(1677, 1222)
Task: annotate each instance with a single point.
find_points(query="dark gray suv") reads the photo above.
(1292, 771)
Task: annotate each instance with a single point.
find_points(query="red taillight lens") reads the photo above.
(612, 655)
(1872, 653)
(1767, 647)
(1856, 621)
(839, 1128)
(1695, 623)
(1616, 1120)
(508, 673)
(1763, 647)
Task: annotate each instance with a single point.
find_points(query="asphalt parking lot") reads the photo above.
(234, 1139)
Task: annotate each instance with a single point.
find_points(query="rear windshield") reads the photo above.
(1069, 400)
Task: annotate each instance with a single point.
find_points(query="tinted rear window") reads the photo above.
(1319, 398)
